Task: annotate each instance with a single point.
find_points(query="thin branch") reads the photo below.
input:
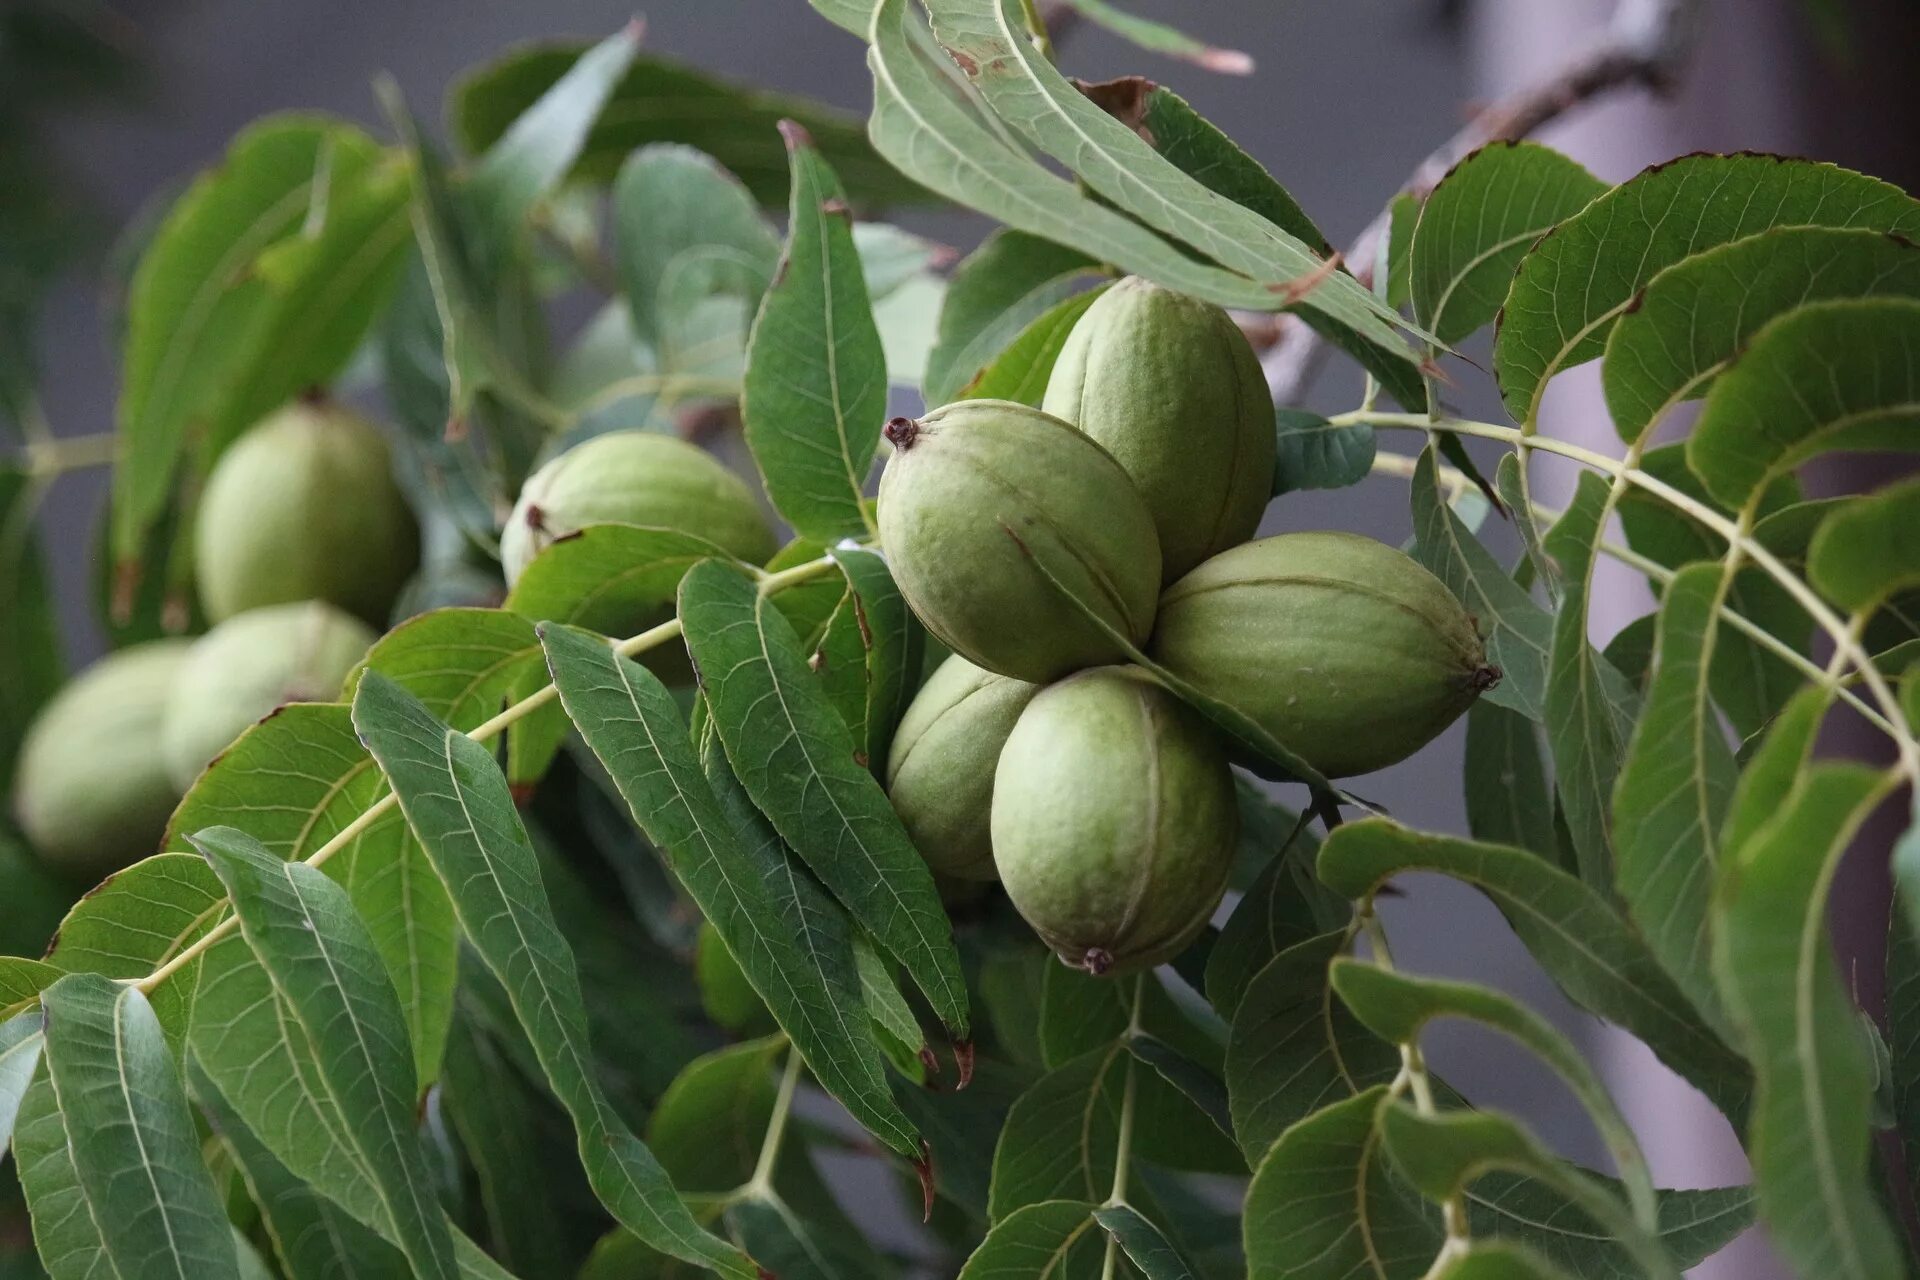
(632, 646)
(1646, 45)
(1454, 482)
(1819, 610)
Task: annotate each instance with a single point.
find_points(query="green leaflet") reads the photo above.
(535, 152)
(790, 939)
(1397, 1008)
(1297, 1048)
(293, 782)
(1051, 1240)
(1827, 376)
(1673, 791)
(791, 753)
(20, 1045)
(1694, 317)
(815, 391)
(998, 293)
(312, 1236)
(138, 919)
(1443, 1154)
(1573, 932)
(457, 803)
(1480, 221)
(1809, 1135)
(1575, 283)
(987, 40)
(1323, 1203)
(139, 1200)
(323, 966)
(1590, 708)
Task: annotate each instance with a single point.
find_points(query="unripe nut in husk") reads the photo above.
(1341, 647)
(634, 477)
(977, 497)
(940, 769)
(1114, 820)
(91, 791)
(1171, 388)
(304, 507)
(250, 664)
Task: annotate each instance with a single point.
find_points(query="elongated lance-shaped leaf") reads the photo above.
(686, 232)
(1575, 283)
(20, 1044)
(921, 123)
(1694, 317)
(892, 649)
(244, 1031)
(1062, 1136)
(1573, 932)
(131, 1148)
(312, 1236)
(1051, 1240)
(324, 967)
(1322, 1203)
(1869, 549)
(1480, 221)
(1809, 1138)
(1443, 1154)
(327, 287)
(138, 919)
(67, 1241)
(492, 1111)
(22, 980)
(815, 390)
(1397, 1007)
(457, 802)
(1296, 1048)
(792, 754)
(1200, 150)
(1589, 706)
(880, 993)
(1020, 373)
(1276, 910)
(1143, 1242)
(790, 939)
(1673, 791)
(293, 782)
(664, 100)
(986, 38)
(1826, 376)
(535, 153)
(1519, 633)
(1509, 795)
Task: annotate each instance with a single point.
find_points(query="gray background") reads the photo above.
(1346, 100)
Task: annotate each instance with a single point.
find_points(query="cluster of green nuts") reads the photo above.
(1050, 547)
(302, 539)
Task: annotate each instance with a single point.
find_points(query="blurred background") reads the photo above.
(96, 133)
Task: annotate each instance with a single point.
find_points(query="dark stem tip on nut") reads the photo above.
(1097, 961)
(1484, 677)
(902, 432)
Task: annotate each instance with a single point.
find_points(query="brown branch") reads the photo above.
(1646, 45)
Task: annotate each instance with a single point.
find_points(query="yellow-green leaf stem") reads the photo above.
(651, 638)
